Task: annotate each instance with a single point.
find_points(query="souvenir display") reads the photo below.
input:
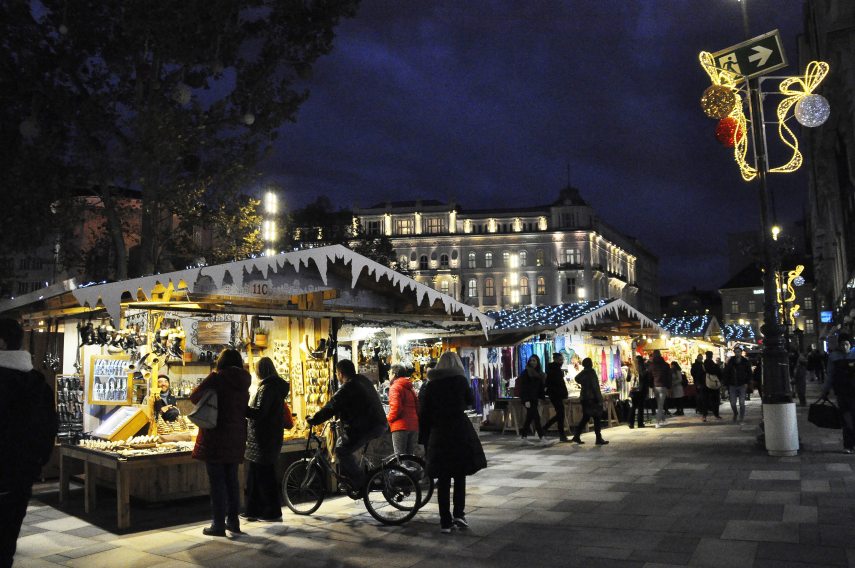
(108, 380)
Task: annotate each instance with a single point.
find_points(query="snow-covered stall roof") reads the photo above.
(693, 327)
(739, 332)
(323, 268)
(569, 318)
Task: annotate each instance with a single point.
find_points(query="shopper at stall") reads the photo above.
(265, 430)
(677, 388)
(840, 376)
(638, 392)
(28, 426)
(660, 372)
(591, 399)
(556, 390)
(699, 377)
(713, 401)
(737, 375)
(358, 406)
(452, 447)
(222, 448)
(531, 383)
(403, 414)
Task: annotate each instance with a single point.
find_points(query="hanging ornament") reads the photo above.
(727, 132)
(249, 119)
(718, 101)
(812, 111)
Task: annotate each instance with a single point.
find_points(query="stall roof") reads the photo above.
(742, 333)
(692, 327)
(602, 316)
(330, 281)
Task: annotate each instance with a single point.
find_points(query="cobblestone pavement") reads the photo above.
(689, 494)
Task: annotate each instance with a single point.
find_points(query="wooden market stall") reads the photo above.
(119, 337)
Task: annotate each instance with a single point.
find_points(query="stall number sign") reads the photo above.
(261, 288)
(754, 57)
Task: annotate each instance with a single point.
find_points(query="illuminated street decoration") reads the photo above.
(812, 110)
(793, 279)
(718, 101)
(796, 89)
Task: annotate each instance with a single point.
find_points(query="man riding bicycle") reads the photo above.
(358, 406)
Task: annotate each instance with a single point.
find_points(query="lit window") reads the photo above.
(541, 286)
(506, 258)
(808, 303)
(471, 260)
(473, 288)
(444, 287)
(809, 326)
(752, 306)
(539, 258)
(404, 227)
(506, 290)
(488, 259)
(434, 225)
(572, 256)
(734, 306)
(523, 258)
(489, 288)
(524, 291)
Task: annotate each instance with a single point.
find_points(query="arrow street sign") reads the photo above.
(754, 57)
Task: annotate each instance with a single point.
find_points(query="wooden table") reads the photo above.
(123, 468)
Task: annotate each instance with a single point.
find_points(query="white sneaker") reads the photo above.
(659, 425)
(545, 443)
(527, 442)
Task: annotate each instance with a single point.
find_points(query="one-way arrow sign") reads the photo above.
(754, 57)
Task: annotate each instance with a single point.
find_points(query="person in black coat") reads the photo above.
(452, 447)
(638, 392)
(531, 388)
(265, 430)
(357, 404)
(713, 400)
(556, 390)
(592, 401)
(699, 378)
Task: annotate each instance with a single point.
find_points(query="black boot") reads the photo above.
(601, 442)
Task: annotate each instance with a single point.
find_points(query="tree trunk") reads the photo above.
(117, 236)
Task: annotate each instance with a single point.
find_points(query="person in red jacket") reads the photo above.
(222, 448)
(403, 414)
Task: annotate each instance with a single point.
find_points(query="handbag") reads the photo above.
(824, 414)
(204, 415)
(287, 416)
(712, 382)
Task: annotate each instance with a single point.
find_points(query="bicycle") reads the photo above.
(390, 492)
(416, 466)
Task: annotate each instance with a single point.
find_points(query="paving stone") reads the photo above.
(768, 531)
(715, 553)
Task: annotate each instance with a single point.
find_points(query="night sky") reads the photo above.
(500, 104)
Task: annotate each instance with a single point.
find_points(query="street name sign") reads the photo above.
(754, 57)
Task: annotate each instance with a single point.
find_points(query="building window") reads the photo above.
(734, 306)
(489, 288)
(539, 258)
(413, 256)
(423, 262)
(506, 259)
(434, 225)
(523, 258)
(403, 261)
(541, 286)
(506, 290)
(488, 259)
(752, 306)
(473, 288)
(524, 291)
(809, 326)
(404, 227)
(444, 287)
(808, 303)
(443, 261)
(571, 287)
(471, 260)
(373, 228)
(572, 256)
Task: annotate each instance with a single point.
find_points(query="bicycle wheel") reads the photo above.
(416, 466)
(303, 487)
(392, 495)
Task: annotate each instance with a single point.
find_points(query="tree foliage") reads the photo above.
(176, 100)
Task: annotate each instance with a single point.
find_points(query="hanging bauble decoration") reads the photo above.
(249, 119)
(727, 132)
(812, 110)
(718, 101)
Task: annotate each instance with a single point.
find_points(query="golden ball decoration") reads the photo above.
(718, 101)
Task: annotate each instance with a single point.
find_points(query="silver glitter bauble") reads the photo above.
(812, 111)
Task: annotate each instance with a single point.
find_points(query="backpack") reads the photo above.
(712, 382)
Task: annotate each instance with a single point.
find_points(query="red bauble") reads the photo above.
(728, 132)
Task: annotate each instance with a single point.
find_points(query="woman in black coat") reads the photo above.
(452, 447)
(592, 401)
(531, 388)
(265, 430)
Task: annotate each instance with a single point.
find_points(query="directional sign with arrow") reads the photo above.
(754, 57)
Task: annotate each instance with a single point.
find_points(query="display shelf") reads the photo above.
(69, 408)
(108, 380)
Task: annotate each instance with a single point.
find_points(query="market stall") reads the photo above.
(119, 338)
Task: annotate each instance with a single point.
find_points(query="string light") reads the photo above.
(718, 101)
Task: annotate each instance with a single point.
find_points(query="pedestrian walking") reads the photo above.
(841, 377)
(699, 380)
(660, 372)
(800, 373)
(222, 448)
(531, 384)
(737, 375)
(556, 391)
(403, 414)
(265, 431)
(713, 385)
(638, 392)
(452, 448)
(592, 401)
(677, 388)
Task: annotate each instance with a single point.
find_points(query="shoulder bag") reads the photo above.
(824, 414)
(712, 382)
(204, 415)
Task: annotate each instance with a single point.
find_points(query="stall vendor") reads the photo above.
(164, 405)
